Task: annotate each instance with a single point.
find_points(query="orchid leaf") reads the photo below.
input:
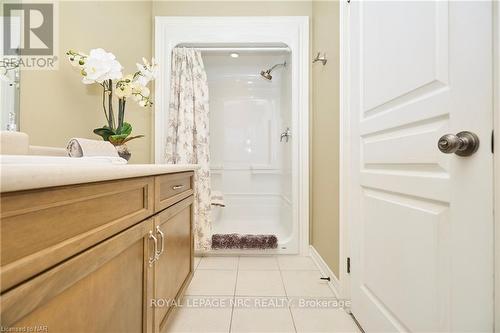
(120, 139)
(105, 132)
(132, 137)
(117, 139)
(126, 129)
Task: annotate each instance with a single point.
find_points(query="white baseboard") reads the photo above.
(334, 283)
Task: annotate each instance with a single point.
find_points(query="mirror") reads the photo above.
(9, 94)
(10, 77)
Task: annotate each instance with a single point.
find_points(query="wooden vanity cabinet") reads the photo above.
(112, 285)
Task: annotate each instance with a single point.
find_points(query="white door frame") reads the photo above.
(345, 157)
(293, 31)
(496, 169)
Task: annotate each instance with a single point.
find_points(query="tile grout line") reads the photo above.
(198, 264)
(209, 296)
(234, 293)
(216, 269)
(286, 295)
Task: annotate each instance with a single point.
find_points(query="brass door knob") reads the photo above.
(463, 144)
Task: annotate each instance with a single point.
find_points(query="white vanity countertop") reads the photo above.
(17, 177)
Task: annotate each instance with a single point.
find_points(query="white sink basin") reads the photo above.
(59, 160)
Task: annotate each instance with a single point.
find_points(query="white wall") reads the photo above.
(245, 121)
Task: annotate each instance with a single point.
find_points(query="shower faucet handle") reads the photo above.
(286, 134)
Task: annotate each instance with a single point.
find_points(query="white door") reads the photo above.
(422, 220)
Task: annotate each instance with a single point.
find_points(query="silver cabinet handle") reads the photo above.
(153, 258)
(178, 187)
(162, 238)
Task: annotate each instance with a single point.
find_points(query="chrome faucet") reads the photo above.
(286, 134)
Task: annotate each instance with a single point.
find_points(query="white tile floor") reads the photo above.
(258, 294)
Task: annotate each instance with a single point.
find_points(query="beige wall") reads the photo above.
(232, 8)
(56, 106)
(325, 135)
(68, 108)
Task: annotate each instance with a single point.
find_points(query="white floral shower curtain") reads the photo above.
(188, 133)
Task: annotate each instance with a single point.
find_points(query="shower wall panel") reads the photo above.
(249, 164)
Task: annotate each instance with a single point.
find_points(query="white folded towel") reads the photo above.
(102, 160)
(218, 199)
(79, 147)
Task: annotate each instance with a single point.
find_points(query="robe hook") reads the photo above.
(320, 58)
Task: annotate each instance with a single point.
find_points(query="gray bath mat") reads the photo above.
(238, 241)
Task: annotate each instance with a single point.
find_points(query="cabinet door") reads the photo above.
(173, 267)
(103, 289)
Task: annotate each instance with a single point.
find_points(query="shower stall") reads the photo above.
(251, 141)
(257, 71)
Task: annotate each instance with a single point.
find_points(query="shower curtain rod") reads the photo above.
(236, 49)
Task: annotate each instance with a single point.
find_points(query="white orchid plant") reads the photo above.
(101, 67)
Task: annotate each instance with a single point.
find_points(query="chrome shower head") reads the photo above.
(266, 74)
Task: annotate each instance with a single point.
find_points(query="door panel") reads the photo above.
(421, 220)
(402, 62)
(411, 261)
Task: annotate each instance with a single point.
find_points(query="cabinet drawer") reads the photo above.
(44, 227)
(102, 289)
(172, 188)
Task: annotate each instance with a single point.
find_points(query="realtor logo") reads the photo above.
(36, 31)
(29, 35)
